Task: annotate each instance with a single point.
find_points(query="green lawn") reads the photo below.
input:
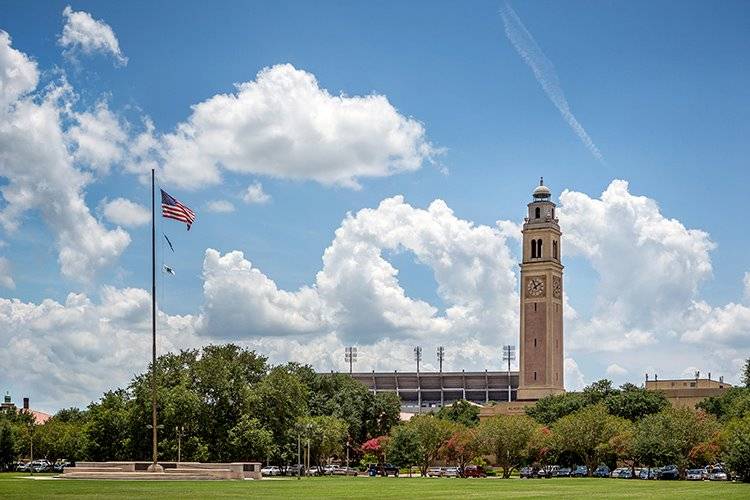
(15, 485)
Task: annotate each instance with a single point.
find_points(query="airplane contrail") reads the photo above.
(544, 72)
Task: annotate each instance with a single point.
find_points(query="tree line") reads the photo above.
(219, 404)
(225, 403)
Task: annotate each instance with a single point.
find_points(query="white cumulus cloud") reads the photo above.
(124, 212)
(357, 293)
(616, 370)
(283, 124)
(41, 174)
(99, 138)
(220, 206)
(82, 33)
(255, 194)
(6, 279)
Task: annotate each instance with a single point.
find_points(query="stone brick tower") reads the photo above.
(541, 348)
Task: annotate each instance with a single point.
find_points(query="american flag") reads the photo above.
(173, 209)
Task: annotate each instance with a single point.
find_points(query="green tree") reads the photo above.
(403, 446)
(670, 436)
(383, 414)
(746, 373)
(461, 412)
(733, 403)
(737, 455)
(250, 441)
(277, 401)
(431, 435)
(507, 437)
(106, 429)
(633, 402)
(7, 445)
(587, 433)
(325, 434)
(598, 392)
(550, 408)
(57, 439)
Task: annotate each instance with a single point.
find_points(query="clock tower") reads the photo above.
(541, 349)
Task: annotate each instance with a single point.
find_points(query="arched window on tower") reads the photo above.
(533, 249)
(539, 248)
(538, 212)
(554, 249)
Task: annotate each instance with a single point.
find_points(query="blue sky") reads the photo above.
(660, 87)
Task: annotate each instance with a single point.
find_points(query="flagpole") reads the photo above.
(155, 467)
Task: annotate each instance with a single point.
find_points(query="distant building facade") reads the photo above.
(688, 392)
(9, 406)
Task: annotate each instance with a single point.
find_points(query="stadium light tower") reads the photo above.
(441, 356)
(350, 356)
(418, 356)
(509, 354)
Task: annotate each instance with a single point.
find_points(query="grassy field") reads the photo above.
(15, 485)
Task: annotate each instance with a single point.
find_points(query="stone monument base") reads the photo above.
(170, 471)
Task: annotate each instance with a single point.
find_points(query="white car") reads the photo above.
(434, 472)
(450, 472)
(330, 470)
(271, 470)
(313, 471)
(694, 475)
(718, 475)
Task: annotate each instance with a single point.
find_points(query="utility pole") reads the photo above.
(350, 356)
(418, 356)
(509, 354)
(440, 356)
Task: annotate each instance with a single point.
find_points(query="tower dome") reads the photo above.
(541, 192)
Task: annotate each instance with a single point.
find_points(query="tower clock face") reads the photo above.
(535, 287)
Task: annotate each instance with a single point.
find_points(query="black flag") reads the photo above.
(168, 242)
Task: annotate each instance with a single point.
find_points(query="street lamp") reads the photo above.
(350, 356)
(179, 429)
(440, 357)
(418, 356)
(509, 354)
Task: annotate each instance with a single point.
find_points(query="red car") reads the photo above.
(474, 471)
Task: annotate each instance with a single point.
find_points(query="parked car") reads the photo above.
(601, 471)
(563, 472)
(694, 475)
(41, 466)
(434, 472)
(313, 471)
(345, 471)
(294, 470)
(648, 473)
(669, 472)
(622, 473)
(60, 466)
(271, 470)
(23, 467)
(718, 474)
(450, 472)
(580, 471)
(382, 470)
(329, 470)
(474, 471)
(526, 473)
(549, 471)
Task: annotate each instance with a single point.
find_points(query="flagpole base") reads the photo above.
(155, 468)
